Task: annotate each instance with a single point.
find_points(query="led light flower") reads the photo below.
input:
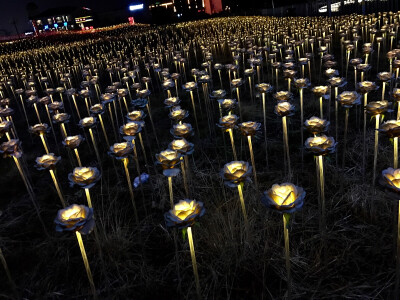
(320, 91)
(169, 160)
(11, 148)
(182, 146)
(189, 86)
(301, 83)
(219, 94)
(316, 125)
(88, 122)
(136, 115)
(391, 128)
(5, 127)
(227, 104)
(73, 142)
(285, 197)
(391, 179)
(184, 214)
(39, 129)
(337, 82)
(97, 109)
(349, 99)
(320, 145)
(377, 107)
(235, 172)
(282, 96)
(85, 177)
(284, 109)
(75, 218)
(183, 130)
(235, 83)
(178, 114)
(249, 128)
(47, 161)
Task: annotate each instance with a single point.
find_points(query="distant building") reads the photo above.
(182, 7)
(63, 18)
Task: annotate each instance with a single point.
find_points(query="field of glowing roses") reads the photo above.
(229, 158)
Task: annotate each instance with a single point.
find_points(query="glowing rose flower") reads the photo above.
(235, 83)
(182, 146)
(6, 112)
(107, 98)
(183, 130)
(11, 148)
(384, 76)
(235, 172)
(249, 72)
(122, 92)
(285, 198)
(363, 67)
(320, 145)
(284, 109)
(131, 129)
(39, 129)
(289, 73)
(55, 106)
(263, 87)
(184, 214)
(227, 104)
(178, 114)
(168, 84)
(391, 128)
(144, 93)
(5, 102)
(228, 122)
(175, 76)
(47, 161)
(85, 177)
(75, 218)
(5, 127)
(377, 107)
(73, 142)
(249, 128)
(349, 99)
(204, 78)
(316, 125)
(88, 122)
(320, 91)
(121, 150)
(218, 66)
(97, 109)
(189, 86)
(366, 87)
(282, 96)
(301, 83)
(136, 115)
(61, 118)
(219, 94)
(391, 180)
(172, 101)
(337, 82)
(169, 160)
(355, 61)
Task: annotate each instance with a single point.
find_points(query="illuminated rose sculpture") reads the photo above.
(320, 145)
(182, 146)
(228, 122)
(75, 218)
(316, 125)
(391, 128)
(73, 142)
(249, 128)
(349, 99)
(169, 160)
(11, 148)
(377, 107)
(178, 114)
(235, 172)
(285, 197)
(284, 109)
(85, 177)
(47, 161)
(121, 150)
(184, 214)
(183, 130)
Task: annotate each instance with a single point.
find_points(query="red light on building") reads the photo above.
(131, 20)
(212, 6)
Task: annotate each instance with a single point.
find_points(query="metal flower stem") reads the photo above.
(241, 198)
(220, 79)
(346, 123)
(7, 270)
(252, 160)
(240, 107)
(152, 123)
(251, 90)
(95, 146)
(286, 218)
(104, 131)
(86, 263)
(44, 143)
(125, 161)
(171, 192)
(37, 112)
(78, 157)
(377, 118)
(364, 132)
(265, 128)
(320, 159)
(194, 111)
(53, 176)
(112, 120)
(230, 130)
(321, 108)
(288, 85)
(301, 125)
(183, 168)
(194, 263)
(63, 131)
(23, 107)
(286, 143)
(383, 90)
(25, 179)
(395, 152)
(398, 111)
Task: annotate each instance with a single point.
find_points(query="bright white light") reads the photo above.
(336, 5)
(135, 7)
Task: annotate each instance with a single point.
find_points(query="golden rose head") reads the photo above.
(331, 72)
(5, 127)
(263, 88)
(366, 86)
(184, 214)
(169, 160)
(172, 101)
(84, 93)
(249, 128)
(131, 129)
(396, 94)
(249, 72)
(391, 180)
(183, 130)
(282, 96)
(107, 98)
(178, 114)
(391, 128)
(88, 122)
(39, 129)
(73, 142)
(122, 92)
(146, 79)
(97, 109)
(61, 118)
(168, 84)
(11, 148)
(363, 67)
(227, 104)
(320, 91)
(301, 83)
(85, 177)
(189, 86)
(175, 76)
(204, 79)
(284, 109)
(47, 161)
(384, 76)
(320, 145)
(219, 94)
(228, 122)
(136, 115)
(289, 73)
(303, 61)
(377, 107)
(121, 150)
(391, 54)
(45, 100)
(75, 218)
(349, 99)
(56, 106)
(315, 125)
(6, 112)
(235, 172)
(337, 82)
(144, 93)
(182, 146)
(235, 83)
(285, 197)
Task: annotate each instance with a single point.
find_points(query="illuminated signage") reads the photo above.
(46, 27)
(56, 26)
(136, 7)
(65, 24)
(84, 19)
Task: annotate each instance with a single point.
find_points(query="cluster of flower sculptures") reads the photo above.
(108, 89)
